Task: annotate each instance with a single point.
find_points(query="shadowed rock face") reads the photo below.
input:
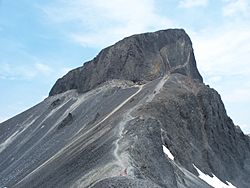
(142, 57)
(92, 133)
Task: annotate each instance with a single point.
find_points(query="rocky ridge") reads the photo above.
(105, 124)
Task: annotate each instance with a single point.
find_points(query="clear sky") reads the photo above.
(41, 40)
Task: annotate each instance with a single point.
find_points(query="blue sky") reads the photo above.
(41, 40)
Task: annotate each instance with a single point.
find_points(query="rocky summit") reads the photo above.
(138, 115)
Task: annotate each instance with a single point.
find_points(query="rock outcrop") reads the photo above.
(138, 58)
(106, 123)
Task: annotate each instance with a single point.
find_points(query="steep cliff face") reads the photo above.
(116, 121)
(197, 130)
(142, 57)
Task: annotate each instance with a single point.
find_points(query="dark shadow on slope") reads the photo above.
(66, 121)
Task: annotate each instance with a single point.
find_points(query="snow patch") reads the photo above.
(213, 181)
(167, 152)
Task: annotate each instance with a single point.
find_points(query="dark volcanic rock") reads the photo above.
(135, 97)
(197, 130)
(67, 121)
(142, 57)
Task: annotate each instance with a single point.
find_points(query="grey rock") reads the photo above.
(108, 130)
(66, 121)
(198, 131)
(142, 57)
(124, 182)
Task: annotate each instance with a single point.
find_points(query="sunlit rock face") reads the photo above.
(138, 115)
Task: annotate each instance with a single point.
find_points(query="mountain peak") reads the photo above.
(141, 57)
(146, 121)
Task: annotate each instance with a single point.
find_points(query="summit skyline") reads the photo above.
(42, 40)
